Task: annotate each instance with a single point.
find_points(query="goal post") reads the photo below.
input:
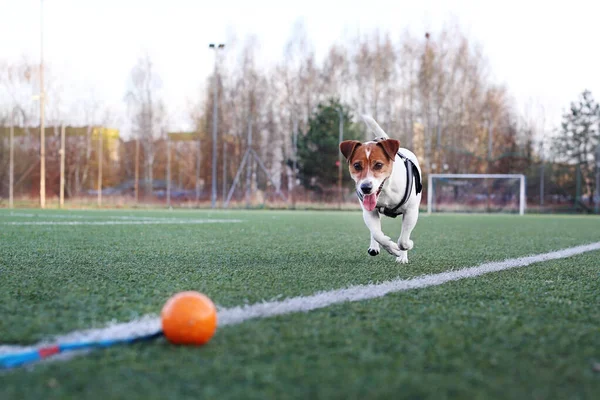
(500, 192)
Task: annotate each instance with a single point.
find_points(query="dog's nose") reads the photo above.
(366, 187)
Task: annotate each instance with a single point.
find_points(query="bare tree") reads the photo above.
(17, 86)
(17, 80)
(88, 113)
(147, 112)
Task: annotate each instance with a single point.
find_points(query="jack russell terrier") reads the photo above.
(388, 182)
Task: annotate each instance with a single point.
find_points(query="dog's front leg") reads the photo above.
(373, 247)
(409, 220)
(373, 222)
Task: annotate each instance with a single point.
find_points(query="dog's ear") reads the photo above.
(390, 147)
(347, 147)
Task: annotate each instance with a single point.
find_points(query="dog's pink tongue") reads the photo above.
(370, 201)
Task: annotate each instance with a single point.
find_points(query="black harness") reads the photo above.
(412, 175)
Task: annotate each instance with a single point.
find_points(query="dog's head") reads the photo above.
(370, 165)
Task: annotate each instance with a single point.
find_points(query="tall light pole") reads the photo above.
(542, 172)
(489, 160)
(597, 202)
(295, 162)
(490, 142)
(136, 183)
(11, 165)
(427, 131)
(220, 46)
(61, 199)
(168, 171)
(542, 166)
(100, 157)
(341, 137)
(224, 183)
(42, 101)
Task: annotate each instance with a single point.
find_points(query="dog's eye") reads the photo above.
(357, 166)
(378, 166)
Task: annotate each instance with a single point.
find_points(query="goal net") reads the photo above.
(476, 193)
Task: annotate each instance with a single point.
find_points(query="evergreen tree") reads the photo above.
(318, 148)
(579, 138)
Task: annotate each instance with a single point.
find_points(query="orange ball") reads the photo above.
(189, 318)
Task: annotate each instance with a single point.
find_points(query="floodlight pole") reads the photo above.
(42, 101)
(597, 202)
(427, 131)
(490, 142)
(542, 172)
(543, 165)
(295, 162)
(62, 167)
(249, 167)
(429, 193)
(224, 184)
(198, 155)
(341, 137)
(489, 161)
(100, 151)
(136, 183)
(215, 120)
(522, 198)
(11, 168)
(168, 171)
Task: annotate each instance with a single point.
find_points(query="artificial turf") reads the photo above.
(527, 333)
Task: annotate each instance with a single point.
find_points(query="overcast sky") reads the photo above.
(545, 52)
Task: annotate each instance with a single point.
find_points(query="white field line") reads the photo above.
(231, 316)
(108, 218)
(130, 222)
(77, 216)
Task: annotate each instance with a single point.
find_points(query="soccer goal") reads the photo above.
(476, 193)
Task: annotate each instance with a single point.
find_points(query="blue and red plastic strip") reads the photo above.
(17, 359)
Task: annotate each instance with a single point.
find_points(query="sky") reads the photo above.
(544, 52)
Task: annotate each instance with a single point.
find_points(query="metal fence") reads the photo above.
(93, 166)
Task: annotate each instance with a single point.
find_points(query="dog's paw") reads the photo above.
(393, 249)
(373, 248)
(373, 252)
(408, 245)
(402, 258)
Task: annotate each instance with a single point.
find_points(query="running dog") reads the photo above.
(388, 182)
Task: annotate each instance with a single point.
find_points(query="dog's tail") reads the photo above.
(374, 127)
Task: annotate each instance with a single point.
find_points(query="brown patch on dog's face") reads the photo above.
(347, 147)
(370, 161)
(390, 146)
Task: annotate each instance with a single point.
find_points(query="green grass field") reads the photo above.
(526, 333)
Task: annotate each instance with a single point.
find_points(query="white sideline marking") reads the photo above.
(129, 222)
(232, 316)
(92, 217)
(77, 216)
